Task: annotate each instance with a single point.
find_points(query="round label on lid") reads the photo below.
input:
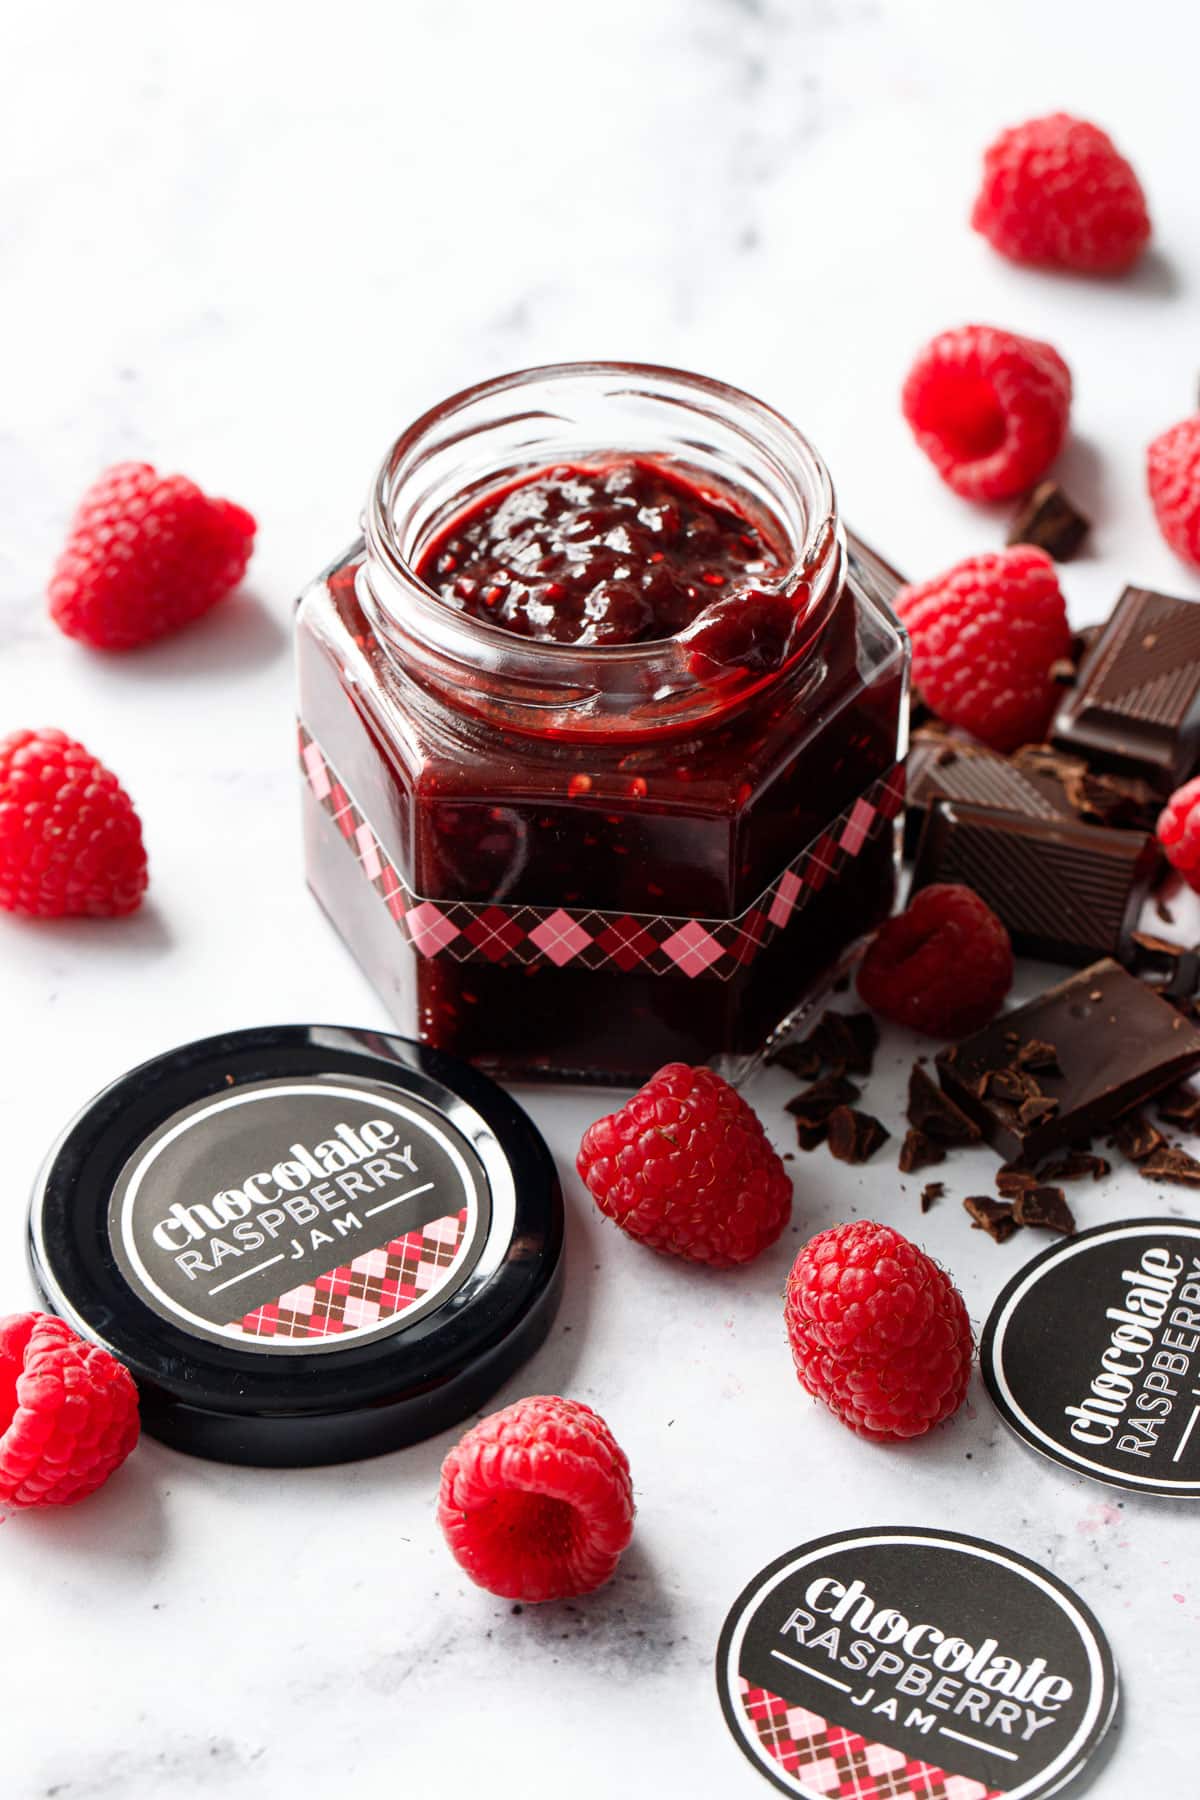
(1092, 1355)
(911, 1664)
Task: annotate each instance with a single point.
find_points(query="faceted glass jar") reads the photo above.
(581, 862)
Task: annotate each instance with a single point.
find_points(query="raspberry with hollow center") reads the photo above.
(68, 1413)
(1173, 478)
(985, 638)
(70, 840)
(1179, 831)
(879, 1333)
(536, 1501)
(943, 966)
(1057, 192)
(686, 1167)
(989, 409)
(146, 554)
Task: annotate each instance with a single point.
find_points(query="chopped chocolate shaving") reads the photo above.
(846, 1041)
(1170, 1164)
(1121, 802)
(1180, 1105)
(1013, 1179)
(1048, 519)
(1077, 1165)
(800, 1060)
(936, 1114)
(992, 1216)
(810, 1137)
(1045, 1207)
(814, 1105)
(1035, 1055)
(854, 1137)
(1136, 1138)
(933, 1190)
(1013, 1085)
(918, 1151)
(1036, 1109)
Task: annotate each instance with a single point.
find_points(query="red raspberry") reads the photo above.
(985, 636)
(70, 840)
(1056, 191)
(146, 553)
(878, 1331)
(686, 1167)
(536, 1501)
(989, 409)
(1173, 476)
(942, 966)
(1179, 831)
(68, 1413)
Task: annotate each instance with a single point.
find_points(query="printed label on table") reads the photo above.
(904, 1664)
(1092, 1355)
(300, 1215)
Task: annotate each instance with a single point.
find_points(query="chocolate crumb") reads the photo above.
(1051, 521)
(1136, 1138)
(814, 1105)
(1164, 912)
(854, 1137)
(992, 1216)
(933, 1190)
(1013, 1178)
(1046, 1208)
(918, 1151)
(935, 1113)
(1170, 1164)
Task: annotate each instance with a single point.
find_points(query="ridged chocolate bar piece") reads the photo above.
(1136, 705)
(946, 769)
(1067, 892)
(1115, 1041)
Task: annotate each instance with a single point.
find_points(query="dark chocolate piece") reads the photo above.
(1180, 1106)
(1172, 1165)
(1117, 1045)
(1121, 802)
(814, 1105)
(1136, 1138)
(854, 1137)
(1045, 1207)
(918, 1151)
(846, 1041)
(1172, 969)
(941, 768)
(1077, 1165)
(993, 1216)
(1013, 1179)
(1051, 521)
(933, 1112)
(1067, 892)
(800, 1060)
(1035, 1055)
(1136, 705)
(933, 1190)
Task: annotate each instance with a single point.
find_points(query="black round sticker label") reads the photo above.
(1092, 1354)
(916, 1665)
(300, 1215)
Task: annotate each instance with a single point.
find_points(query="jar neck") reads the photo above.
(483, 439)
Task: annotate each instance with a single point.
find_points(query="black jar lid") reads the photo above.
(308, 1243)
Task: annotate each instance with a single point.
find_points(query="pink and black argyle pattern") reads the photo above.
(826, 1759)
(377, 1285)
(528, 936)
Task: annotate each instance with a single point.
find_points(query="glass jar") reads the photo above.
(578, 861)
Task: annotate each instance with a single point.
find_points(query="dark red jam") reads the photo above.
(615, 553)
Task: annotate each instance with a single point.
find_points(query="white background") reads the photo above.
(250, 242)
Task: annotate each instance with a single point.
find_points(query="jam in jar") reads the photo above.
(602, 724)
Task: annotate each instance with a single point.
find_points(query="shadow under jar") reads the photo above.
(602, 725)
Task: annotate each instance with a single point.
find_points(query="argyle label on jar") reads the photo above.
(661, 944)
(300, 1215)
(904, 1664)
(1092, 1355)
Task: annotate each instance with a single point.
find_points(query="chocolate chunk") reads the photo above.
(1172, 1165)
(814, 1105)
(1136, 1138)
(1067, 892)
(1013, 1179)
(854, 1137)
(1045, 1207)
(800, 1060)
(810, 1137)
(1051, 521)
(933, 1190)
(941, 768)
(846, 1041)
(1076, 1165)
(1136, 706)
(933, 1112)
(1117, 1045)
(918, 1151)
(992, 1216)
(1180, 1106)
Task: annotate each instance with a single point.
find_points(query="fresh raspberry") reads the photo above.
(686, 1167)
(1173, 476)
(68, 1413)
(878, 1331)
(1179, 831)
(989, 409)
(146, 553)
(942, 966)
(536, 1501)
(985, 638)
(1056, 191)
(70, 840)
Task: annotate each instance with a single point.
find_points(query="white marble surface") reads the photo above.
(250, 242)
